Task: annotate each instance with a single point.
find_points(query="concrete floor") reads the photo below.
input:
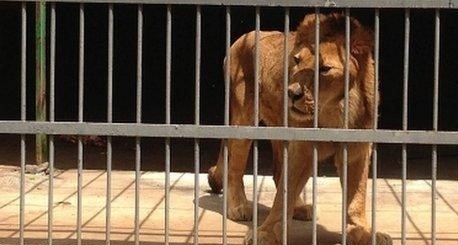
(152, 209)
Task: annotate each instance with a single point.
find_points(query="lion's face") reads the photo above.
(331, 70)
(331, 78)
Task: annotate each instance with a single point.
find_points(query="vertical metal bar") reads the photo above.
(80, 119)
(139, 61)
(52, 63)
(109, 120)
(376, 65)
(139, 120)
(285, 67)
(23, 118)
(405, 123)
(347, 66)
(374, 146)
(137, 189)
(81, 65)
(40, 93)
(433, 194)
(285, 124)
(51, 119)
(256, 124)
(345, 146)
(316, 77)
(316, 87)
(167, 119)
(435, 125)
(226, 120)
(436, 70)
(23, 61)
(197, 122)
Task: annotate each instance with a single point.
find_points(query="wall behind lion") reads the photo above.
(213, 38)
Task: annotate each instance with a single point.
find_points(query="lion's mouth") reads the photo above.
(305, 108)
(302, 115)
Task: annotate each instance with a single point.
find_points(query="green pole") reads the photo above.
(40, 94)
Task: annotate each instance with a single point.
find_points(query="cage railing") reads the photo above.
(197, 131)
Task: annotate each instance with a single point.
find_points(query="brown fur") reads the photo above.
(300, 114)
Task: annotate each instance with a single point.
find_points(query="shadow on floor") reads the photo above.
(299, 232)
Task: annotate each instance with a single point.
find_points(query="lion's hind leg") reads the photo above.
(238, 150)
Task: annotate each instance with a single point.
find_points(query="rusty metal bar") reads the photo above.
(41, 144)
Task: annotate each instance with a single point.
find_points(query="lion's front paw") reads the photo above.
(361, 236)
(383, 239)
(241, 212)
(215, 180)
(264, 238)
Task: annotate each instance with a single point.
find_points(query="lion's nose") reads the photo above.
(295, 91)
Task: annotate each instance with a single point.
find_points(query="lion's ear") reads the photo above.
(362, 41)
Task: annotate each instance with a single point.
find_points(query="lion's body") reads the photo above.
(361, 104)
(271, 76)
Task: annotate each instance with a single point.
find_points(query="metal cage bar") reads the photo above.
(138, 148)
(257, 80)
(23, 119)
(168, 73)
(418, 4)
(375, 126)
(285, 66)
(41, 143)
(418, 137)
(226, 120)
(316, 87)
(197, 122)
(435, 124)
(109, 120)
(285, 125)
(52, 64)
(80, 120)
(346, 110)
(405, 124)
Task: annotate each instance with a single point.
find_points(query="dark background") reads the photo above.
(213, 43)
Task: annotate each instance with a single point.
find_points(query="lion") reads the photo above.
(301, 107)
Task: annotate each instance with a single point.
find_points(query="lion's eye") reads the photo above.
(325, 69)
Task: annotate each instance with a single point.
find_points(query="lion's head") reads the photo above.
(331, 71)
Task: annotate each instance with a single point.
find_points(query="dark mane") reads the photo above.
(332, 26)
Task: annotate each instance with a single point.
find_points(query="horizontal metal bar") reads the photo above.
(225, 132)
(286, 3)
